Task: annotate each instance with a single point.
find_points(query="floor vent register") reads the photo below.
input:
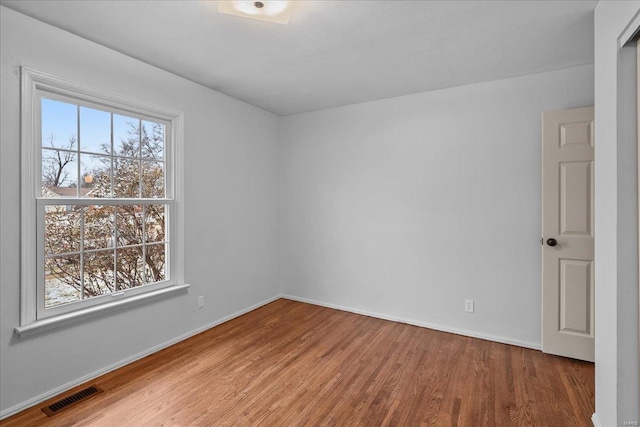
(72, 400)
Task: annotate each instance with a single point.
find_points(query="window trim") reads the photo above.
(32, 83)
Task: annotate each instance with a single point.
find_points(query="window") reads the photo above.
(100, 188)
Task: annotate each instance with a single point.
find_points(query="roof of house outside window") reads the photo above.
(65, 192)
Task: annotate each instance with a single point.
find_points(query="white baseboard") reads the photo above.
(420, 323)
(51, 393)
(595, 420)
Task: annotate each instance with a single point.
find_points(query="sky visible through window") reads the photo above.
(60, 131)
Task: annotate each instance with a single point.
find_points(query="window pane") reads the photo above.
(129, 220)
(98, 273)
(98, 227)
(95, 131)
(155, 263)
(126, 178)
(59, 173)
(152, 179)
(61, 280)
(130, 267)
(62, 229)
(95, 175)
(126, 136)
(154, 223)
(59, 124)
(152, 140)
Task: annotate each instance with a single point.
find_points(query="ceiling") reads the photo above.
(334, 53)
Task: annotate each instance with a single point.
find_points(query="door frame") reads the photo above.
(638, 166)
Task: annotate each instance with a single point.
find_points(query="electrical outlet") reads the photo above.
(201, 301)
(468, 305)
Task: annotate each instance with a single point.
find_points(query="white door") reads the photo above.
(567, 230)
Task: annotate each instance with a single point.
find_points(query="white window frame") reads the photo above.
(35, 86)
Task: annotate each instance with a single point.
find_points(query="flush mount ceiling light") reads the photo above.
(278, 11)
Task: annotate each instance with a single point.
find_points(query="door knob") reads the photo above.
(552, 242)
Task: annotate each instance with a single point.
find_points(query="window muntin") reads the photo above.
(104, 204)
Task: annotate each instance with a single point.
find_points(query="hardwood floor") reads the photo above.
(294, 364)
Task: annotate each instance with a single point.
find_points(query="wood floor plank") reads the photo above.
(295, 364)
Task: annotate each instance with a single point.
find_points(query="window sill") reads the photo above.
(76, 316)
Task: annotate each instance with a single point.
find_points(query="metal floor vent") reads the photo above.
(68, 401)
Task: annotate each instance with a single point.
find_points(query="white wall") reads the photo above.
(231, 204)
(617, 394)
(405, 207)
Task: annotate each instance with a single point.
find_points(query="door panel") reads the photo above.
(575, 198)
(576, 288)
(567, 216)
(576, 134)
